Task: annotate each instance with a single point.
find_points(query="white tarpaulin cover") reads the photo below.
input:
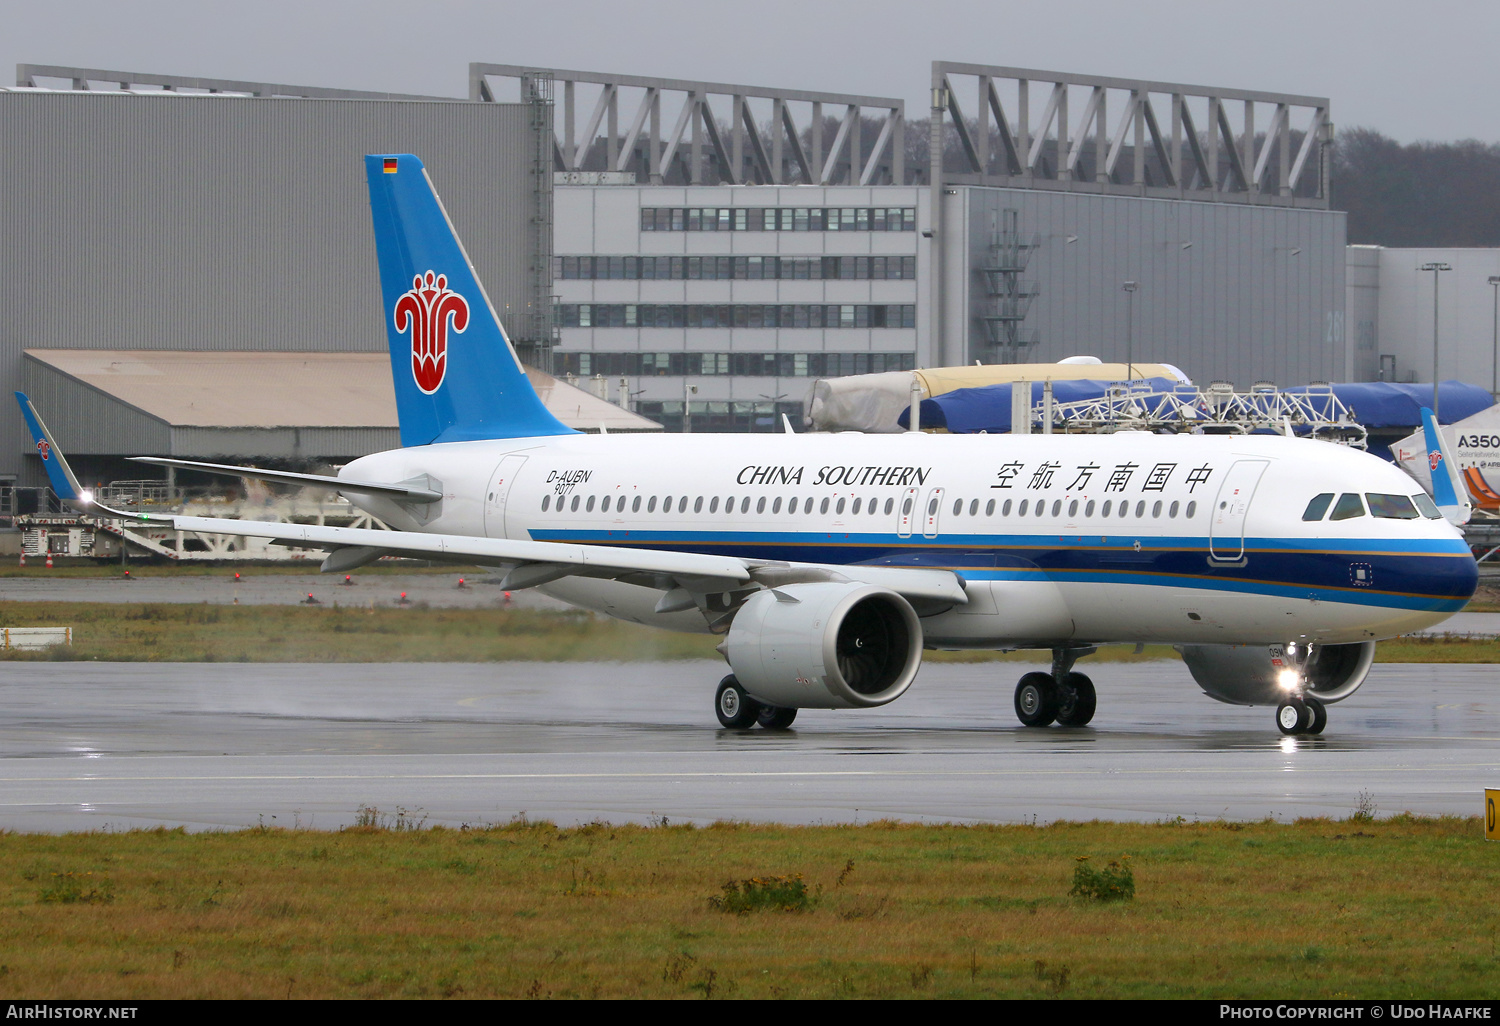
(873, 402)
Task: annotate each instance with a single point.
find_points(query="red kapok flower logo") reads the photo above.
(427, 310)
(1434, 458)
(43, 448)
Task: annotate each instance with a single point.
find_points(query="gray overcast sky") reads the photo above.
(1414, 71)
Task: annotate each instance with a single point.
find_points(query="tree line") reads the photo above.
(1419, 194)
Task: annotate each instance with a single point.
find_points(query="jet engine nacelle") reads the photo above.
(825, 645)
(1244, 675)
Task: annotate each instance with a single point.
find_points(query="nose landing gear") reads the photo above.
(1301, 716)
(1300, 713)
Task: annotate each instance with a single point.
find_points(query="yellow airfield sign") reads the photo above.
(1491, 814)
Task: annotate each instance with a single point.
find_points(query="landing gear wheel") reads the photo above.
(1076, 700)
(774, 717)
(1036, 699)
(737, 710)
(1318, 716)
(1293, 717)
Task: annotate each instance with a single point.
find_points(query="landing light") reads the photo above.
(85, 496)
(1288, 679)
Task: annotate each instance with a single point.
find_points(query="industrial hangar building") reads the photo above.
(189, 268)
(695, 252)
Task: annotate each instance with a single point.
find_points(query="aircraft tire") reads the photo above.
(1077, 700)
(736, 710)
(775, 717)
(1036, 699)
(1317, 716)
(1293, 716)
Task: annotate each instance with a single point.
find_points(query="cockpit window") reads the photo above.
(1348, 507)
(1317, 507)
(1427, 506)
(1391, 507)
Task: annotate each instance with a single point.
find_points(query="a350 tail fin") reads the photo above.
(457, 377)
(64, 484)
(1448, 489)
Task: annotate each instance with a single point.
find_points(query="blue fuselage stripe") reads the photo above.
(1420, 574)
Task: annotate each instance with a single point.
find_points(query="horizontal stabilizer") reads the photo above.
(399, 492)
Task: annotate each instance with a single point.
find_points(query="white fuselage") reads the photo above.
(1129, 537)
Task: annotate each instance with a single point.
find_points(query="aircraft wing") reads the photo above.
(680, 575)
(530, 563)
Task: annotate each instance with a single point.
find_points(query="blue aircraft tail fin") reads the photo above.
(457, 377)
(59, 474)
(1448, 488)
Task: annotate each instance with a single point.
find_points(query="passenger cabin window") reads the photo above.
(1425, 504)
(546, 501)
(1191, 510)
(1349, 506)
(635, 504)
(1391, 507)
(1317, 507)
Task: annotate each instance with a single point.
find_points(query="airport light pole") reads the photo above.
(1435, 268)
(1495, 338)
(1129, 288)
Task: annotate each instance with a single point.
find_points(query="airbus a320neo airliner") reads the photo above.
(829, 562)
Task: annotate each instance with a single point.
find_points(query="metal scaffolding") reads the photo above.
(1216, 410)
(760, 142)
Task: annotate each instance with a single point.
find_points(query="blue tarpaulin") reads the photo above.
(1382, 404)
(1375, 404)
(967, 411)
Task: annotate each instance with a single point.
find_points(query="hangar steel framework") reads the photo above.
(1024, 138)
(760, 142)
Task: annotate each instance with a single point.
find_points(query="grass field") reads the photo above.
(1365, 907)
(168, 632)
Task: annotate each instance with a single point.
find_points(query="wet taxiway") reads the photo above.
(96, 746)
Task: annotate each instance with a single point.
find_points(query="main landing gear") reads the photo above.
(1301, 716)
(1062, 696)
(738, 711)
